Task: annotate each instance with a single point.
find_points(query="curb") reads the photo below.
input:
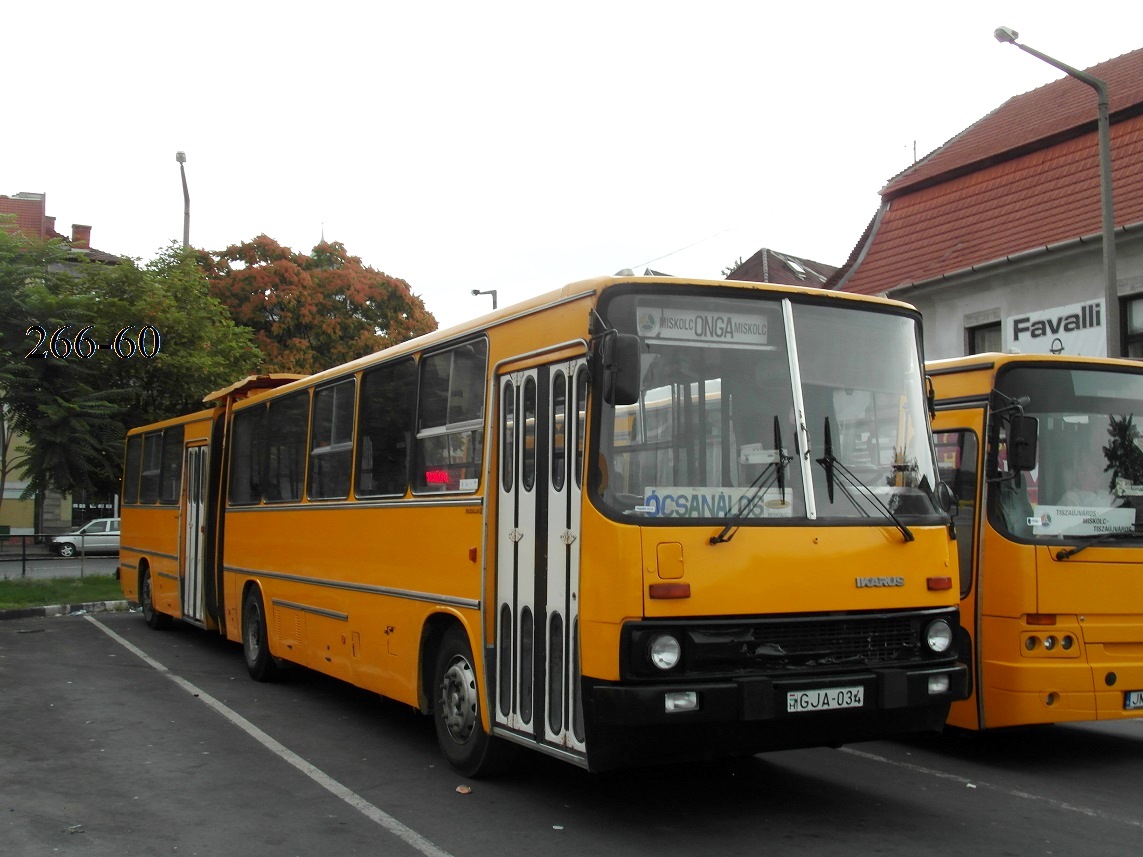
(66, 610)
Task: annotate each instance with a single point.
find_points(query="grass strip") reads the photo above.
(47, 592)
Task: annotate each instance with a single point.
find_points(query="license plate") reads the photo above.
(1133, 700)
(827, 698)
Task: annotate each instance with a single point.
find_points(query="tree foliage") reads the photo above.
(729, 270)
(61, 406)
(200, 347)
(309, 313)
(73, 402)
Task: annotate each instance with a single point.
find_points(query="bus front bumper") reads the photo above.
(765, 698)
(651, 724)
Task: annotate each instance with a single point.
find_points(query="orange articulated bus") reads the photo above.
(1044, 455)
(630, 521)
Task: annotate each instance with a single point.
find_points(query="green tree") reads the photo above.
(73, 401)
(309, 313)
(728, 271)
(197, 348)
(60, 406)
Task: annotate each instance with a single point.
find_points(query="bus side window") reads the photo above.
(286, 448)
(246, 457)
(132, 468)
(331, 439)
(171, 474)
(152, 467)
(384, 424)
(450, 424)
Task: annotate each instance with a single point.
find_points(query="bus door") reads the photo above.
(193, 560)
(958, 435)
(538, 547)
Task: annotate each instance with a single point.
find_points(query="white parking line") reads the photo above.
(977, 784)
(405, 834)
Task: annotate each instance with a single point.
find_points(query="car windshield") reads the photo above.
(767, 408)
(1088, 479)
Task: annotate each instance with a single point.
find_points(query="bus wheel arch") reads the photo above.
(260, 663)
(453, 690)
(154, 619)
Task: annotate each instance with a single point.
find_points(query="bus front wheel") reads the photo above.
(259, 661)
(154, 619)
(465, 744)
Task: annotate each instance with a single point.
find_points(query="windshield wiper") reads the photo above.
(833, 468)
(1099, 539)
(776, 471)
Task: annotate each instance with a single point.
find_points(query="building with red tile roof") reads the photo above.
(1004, 221)
(32, 219)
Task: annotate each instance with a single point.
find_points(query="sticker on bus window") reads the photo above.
(706, 502)
(693, 325)
(1081, 520)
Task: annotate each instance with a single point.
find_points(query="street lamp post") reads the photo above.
(489, 292)
(1111, 291)
(181, 157)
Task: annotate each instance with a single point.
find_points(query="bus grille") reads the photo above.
(802, 644)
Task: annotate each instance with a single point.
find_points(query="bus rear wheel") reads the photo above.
(259, 662)
(465, 744)
(154, 619)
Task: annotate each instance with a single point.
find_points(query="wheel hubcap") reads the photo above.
(458, 699)
(253, 632)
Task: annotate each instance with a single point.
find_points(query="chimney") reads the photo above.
(80, 236)
(49, 226)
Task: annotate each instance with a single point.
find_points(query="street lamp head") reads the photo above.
(181, 157)
(476, 291)
(1006, 34)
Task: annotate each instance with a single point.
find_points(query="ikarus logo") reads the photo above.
(864, 582)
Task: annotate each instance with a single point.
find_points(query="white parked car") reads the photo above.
(98, 536)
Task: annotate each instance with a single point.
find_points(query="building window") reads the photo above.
(986, 337)
(1133, 327)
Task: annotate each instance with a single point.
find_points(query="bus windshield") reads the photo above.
(1088, 479)
(767, 410)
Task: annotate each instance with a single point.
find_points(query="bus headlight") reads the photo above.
(938, 636)
(664, 651)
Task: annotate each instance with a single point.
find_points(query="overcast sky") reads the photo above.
(515, 146)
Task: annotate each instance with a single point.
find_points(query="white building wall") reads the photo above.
(1033, 282)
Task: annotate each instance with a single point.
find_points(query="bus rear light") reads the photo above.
(938, 584)
(1041, 619)
(669, 590)
(680, 700)
(1067, 642)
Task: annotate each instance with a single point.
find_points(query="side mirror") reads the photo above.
(1022, 433)
(619, 355)
(947, 499)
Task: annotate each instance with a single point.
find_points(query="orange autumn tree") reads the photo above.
(309, 313)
